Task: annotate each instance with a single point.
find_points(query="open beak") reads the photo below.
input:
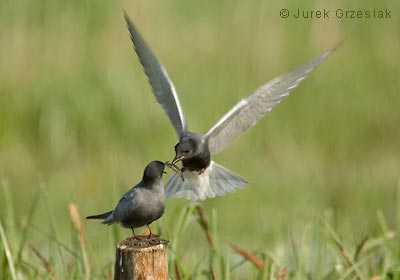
(172, 166)
(175, 168)
(176, 159)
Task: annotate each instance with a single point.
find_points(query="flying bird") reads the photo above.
(202, 177)
(143, 203)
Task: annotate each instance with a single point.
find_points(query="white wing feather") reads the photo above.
(250, 110)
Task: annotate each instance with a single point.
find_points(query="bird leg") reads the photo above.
(133, 231)
(149, 236)
(202, 171)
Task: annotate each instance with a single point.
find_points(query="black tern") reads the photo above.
(203, 178)
(143, 203)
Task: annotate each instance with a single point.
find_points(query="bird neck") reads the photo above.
(197, 163)
(150, 182)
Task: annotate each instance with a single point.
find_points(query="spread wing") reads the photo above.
(251, 109)
(161, 84)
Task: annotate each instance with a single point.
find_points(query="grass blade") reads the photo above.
(77, 222)
(52, 227)
(25, 228)
(46, 264)
(345, 254)
(183, 221)
(206, 228)
(360, 248)
(248, 256)
(177, 273)
(7, 251)
(282, 274)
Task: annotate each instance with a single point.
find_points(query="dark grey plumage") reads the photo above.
(142, 204)
(202, 177)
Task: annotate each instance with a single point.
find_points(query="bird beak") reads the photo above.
(173, 167)
(176, 159)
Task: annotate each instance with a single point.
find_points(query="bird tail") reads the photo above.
(216, 180)
(100, 216)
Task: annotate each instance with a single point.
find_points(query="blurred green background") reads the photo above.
(78, 121)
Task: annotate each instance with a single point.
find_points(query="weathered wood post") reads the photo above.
(140, 257)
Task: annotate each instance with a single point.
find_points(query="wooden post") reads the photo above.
(140, 257)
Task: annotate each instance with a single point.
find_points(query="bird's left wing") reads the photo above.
(161, 84)
(251, 109)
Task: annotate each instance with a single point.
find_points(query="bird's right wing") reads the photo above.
(161, 84)
(251, 109)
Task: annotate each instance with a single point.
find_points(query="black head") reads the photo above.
(153, 171)
(186, 148)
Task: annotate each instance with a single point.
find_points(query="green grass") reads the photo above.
(78, 123)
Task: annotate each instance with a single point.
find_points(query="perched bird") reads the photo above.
(203, 177)
(142, 204)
